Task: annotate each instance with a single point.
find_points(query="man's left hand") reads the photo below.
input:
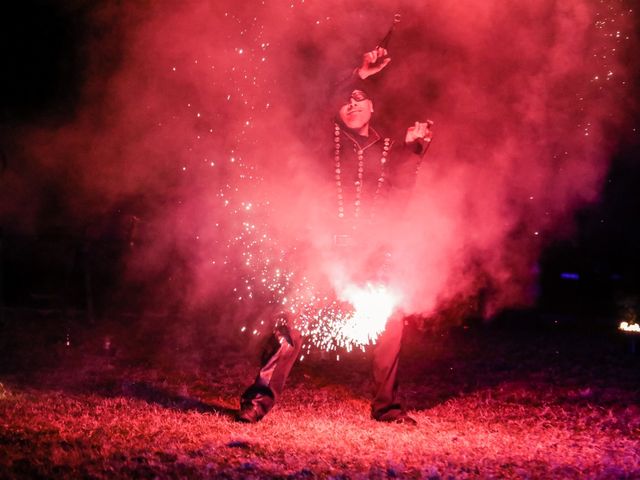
(419, 130)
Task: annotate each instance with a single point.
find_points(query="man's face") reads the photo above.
(356, 113)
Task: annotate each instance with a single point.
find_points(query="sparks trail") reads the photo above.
(349, 319)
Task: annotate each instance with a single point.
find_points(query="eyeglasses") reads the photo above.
(358, 96)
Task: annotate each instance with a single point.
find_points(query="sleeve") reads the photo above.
(405, 162)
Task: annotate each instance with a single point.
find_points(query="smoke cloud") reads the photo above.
(199, 118)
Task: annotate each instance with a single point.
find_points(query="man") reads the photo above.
(367, 168)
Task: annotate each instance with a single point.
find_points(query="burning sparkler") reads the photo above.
(373, 306)
(353, 320)
(357, 320)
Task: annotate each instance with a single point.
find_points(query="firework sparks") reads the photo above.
(354, 322)
(373, 305)
(351, 319)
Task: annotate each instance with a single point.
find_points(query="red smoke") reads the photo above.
(193, 103)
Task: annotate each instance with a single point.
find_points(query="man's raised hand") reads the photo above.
(373, 62)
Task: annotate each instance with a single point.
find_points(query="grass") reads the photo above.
(544, 402)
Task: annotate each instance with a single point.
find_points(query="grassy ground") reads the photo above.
(549, 402)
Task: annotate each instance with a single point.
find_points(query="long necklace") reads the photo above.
(358, 183)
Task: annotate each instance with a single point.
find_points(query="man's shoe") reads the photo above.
(401, 418)
(248, 415)
(405, 419)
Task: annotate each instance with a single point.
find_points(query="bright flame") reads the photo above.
(373, 305)
(629, 327)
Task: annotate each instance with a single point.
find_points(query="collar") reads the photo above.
(361, 141)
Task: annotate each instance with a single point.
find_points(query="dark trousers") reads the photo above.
(282, 352)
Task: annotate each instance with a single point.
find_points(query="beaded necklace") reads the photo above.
(358, 182)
